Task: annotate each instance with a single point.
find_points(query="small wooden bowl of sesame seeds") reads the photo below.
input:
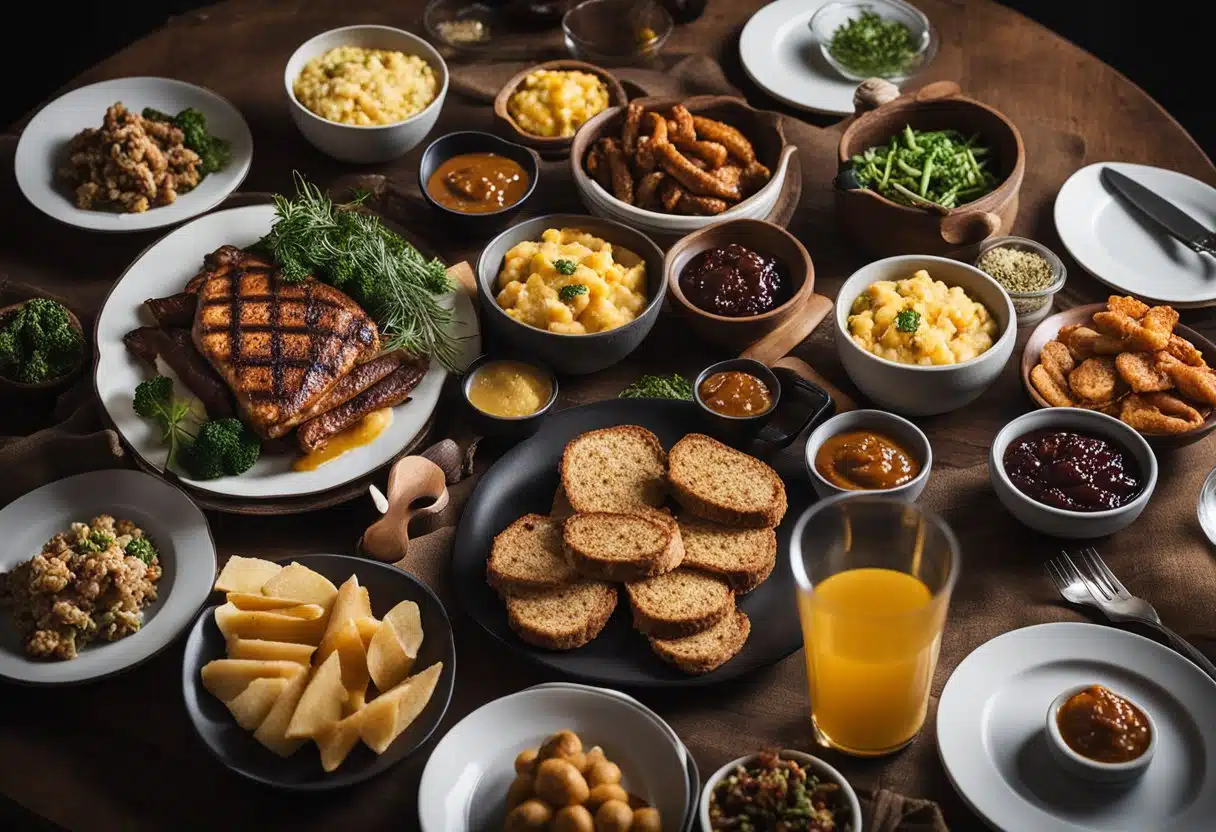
(1029, 271)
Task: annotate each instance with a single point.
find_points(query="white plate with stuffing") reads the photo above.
(43, 150)
(185, 555)
(163, 270)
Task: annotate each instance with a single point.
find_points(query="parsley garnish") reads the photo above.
(571, 290)
(907, 321)
(565, 266)
(674, 386)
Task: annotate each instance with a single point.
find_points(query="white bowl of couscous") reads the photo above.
(365, 94)
(921, 335)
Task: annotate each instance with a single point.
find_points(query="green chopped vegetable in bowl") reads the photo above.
(925, 168)
(39, 342)
(874, 39)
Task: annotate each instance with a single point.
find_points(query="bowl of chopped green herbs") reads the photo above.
(42, 346)
(932, 172)
(779, 790)
(874, 39)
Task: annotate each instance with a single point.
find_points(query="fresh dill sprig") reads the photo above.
(352, 250)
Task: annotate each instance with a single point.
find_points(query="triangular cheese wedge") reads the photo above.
(280, 651)
(390, 713)
(302, 585)
(270, 625)
(251, 705)
(320, 706)
(272, 733)
(245, 574)
(227, 678)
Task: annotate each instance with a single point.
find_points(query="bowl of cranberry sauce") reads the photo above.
(1072, 473)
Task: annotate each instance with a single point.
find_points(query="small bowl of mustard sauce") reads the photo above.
(871, 451)
(1100, 735)
(508, 396)
(740, 398)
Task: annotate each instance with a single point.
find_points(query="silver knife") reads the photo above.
(1177, 222)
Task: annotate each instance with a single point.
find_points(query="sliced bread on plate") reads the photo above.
(718, 483)
(622, 547)
(562, 618)
(614, 469)
(709, 649)
(679, 603)
(527, 555)
(743, 557)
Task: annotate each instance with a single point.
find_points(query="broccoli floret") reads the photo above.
(214, 152)
(154, 400)
(142, 548)
(38, 342)
(907, 320)
(224, 447)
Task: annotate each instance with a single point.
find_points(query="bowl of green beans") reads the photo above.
(931, 172)
(874, 39)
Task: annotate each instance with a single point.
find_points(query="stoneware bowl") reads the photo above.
(761, 127)
(814, 765)
(472, 141)
(762, 237)
(50, 387)
(908, 435)
(573, 354)
(1094, 770)
(913, 389)
(551, 147)
(882, 227)
(1051, 327)
(371, 143)
(509, 426)
(1059, 522)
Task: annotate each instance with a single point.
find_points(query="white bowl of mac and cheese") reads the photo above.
(921, 335)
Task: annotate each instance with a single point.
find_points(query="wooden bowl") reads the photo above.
(884, 228)
(50, 386)
(762, 237)
(1050, 327)
(550, 147)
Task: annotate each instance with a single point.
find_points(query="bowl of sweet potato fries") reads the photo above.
(670, 166)
(1127, 359)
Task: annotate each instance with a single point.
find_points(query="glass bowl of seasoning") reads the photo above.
(1030, 272)
(874, 39)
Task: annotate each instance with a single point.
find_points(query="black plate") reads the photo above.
(238, 750)
(525, 479)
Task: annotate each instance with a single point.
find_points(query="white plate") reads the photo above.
(781, 55)
(162, 270)
(1126, 250)
(174, 524)
(41, 147)
(464, 785)
(1206, 510)
(992, 738)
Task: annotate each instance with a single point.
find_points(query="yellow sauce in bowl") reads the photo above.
(509, 389)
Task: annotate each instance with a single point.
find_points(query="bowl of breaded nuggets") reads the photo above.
(670, 166)
(1129, 360)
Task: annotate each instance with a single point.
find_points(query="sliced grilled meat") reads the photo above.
(175, 310)
(280, 346)
(355, 382)
(389, 392)
(175, 348)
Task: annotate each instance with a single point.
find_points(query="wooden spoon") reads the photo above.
(412, 480)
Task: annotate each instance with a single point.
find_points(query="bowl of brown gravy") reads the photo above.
(477, 177)
(869, 450)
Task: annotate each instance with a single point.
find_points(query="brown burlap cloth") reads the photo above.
(1163, 557)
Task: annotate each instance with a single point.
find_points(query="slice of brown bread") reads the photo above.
(614, 469)
(709, 649)
(679, 603)
(622, 547)
(528, 555)
(743, 557)
(718, 483)
(562, 618)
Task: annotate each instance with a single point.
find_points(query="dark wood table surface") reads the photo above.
(120, 754)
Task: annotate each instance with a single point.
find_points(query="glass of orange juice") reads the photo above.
(874, 579)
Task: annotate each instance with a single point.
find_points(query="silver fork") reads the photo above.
(1093, 584)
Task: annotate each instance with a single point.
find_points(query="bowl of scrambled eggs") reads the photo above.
(545, 105)
(365, 94)
(922, 335)
(578, 293)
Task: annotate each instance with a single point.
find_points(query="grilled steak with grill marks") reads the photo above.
(280, 346)
(389, 392)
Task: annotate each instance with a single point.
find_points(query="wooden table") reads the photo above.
(120, 754)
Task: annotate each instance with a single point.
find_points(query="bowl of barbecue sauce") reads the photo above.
(1098, 734)
(739, 401)
(736, 281)
(869, 450)
(476, 176)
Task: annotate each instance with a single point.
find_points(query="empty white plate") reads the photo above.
(40, 150)
(171, 521)
(991, 732)
(1123, 248)
(464, 785)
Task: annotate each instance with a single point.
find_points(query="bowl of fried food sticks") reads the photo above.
(670, 166)
(1129, 360)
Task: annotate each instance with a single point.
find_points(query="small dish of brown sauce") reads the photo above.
(736, 282)
(1101, 725)
(863, 460)
(736, 394)
(478, 183)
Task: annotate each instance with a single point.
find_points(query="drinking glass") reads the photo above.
(874, 578)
